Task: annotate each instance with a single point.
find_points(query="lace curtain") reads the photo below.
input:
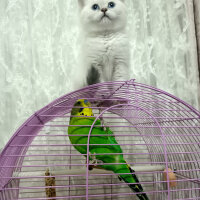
(38, 52)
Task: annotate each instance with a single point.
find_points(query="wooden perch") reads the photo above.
(102, 171)
(82, 171)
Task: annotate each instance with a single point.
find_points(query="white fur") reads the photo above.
(105, 43)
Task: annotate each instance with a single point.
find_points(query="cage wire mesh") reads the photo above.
(156, 131)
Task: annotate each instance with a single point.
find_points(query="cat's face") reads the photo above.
(99, 16)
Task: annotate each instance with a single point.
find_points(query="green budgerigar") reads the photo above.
(107, 154)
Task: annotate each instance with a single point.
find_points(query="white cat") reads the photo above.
(105, 44)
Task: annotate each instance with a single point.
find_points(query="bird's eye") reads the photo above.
(95, 7)
(85, 101)
(111, 4)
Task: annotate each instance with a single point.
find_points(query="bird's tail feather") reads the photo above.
(142, 195)
(136, 187)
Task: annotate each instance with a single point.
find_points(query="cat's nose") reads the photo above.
(104, 10)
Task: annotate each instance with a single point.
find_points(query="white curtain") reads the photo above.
(197, 27)
(38, 52)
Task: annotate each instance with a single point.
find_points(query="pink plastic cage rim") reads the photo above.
(58, 100)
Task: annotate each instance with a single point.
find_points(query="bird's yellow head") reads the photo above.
(82, 108)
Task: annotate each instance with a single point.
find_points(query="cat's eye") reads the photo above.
(111, 5)
(95, 7)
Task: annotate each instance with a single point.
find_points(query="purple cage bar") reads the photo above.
(154, 129)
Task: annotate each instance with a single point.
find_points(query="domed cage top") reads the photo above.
(155, 130)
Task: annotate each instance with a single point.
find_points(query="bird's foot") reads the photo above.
(96, 162)
(93, 162)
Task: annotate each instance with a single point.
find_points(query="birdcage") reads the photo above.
(158, 133)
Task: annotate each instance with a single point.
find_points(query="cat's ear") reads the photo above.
(81, 3)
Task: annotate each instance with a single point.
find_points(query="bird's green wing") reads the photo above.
(102, 146)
